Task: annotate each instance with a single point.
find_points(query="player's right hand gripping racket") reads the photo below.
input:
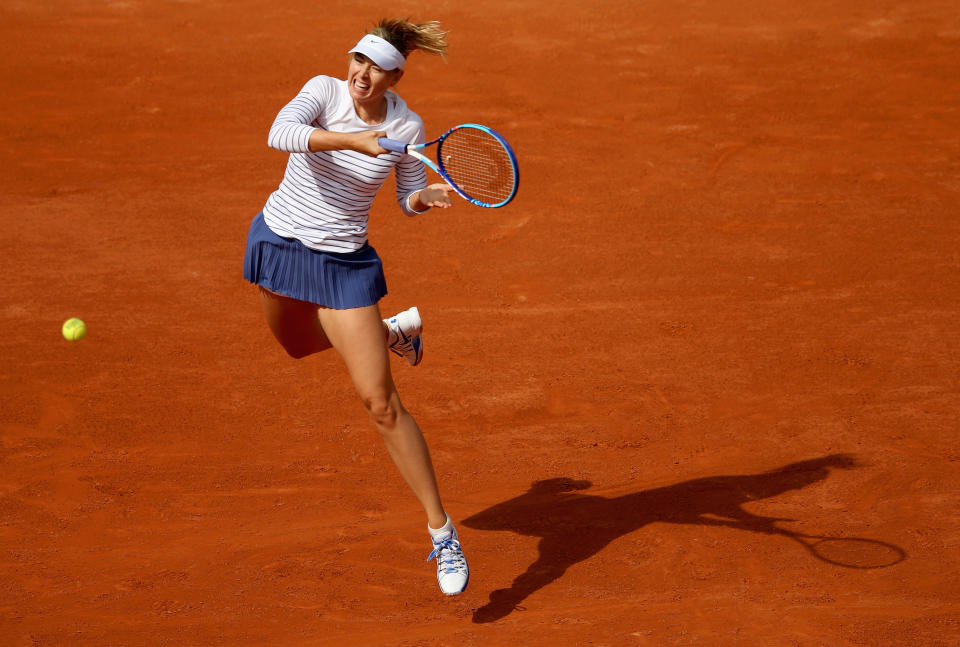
(475, 160)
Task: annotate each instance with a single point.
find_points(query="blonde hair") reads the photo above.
(407, 36)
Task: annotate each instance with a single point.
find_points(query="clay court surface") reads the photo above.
(720, 316)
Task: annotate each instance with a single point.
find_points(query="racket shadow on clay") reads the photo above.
(573, 526)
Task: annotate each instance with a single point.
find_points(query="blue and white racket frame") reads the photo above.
(414, 151)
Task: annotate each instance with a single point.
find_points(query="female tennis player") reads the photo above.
(320, 280)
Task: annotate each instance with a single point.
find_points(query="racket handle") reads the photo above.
(393, 145)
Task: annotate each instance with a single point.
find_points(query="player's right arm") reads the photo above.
(293, 131)
(365, 142)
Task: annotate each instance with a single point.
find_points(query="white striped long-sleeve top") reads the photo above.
(324, 199)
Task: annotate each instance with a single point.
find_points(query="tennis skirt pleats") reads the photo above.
(288, 267)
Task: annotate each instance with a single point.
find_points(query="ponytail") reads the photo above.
(407, 36)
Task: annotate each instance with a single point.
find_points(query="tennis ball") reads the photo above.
(74, 329)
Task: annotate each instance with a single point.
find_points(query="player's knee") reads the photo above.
(297, 351)
(383, 410)
(296, 346)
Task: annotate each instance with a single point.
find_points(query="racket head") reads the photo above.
(479, 164)
(856, 552)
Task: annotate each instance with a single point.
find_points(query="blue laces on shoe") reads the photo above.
(449, 556)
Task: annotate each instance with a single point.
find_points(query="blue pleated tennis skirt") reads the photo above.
(288, 267)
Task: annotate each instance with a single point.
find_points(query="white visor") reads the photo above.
(380, 52)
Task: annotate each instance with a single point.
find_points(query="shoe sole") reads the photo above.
(418, 351)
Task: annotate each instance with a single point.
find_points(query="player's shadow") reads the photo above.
(573, 527)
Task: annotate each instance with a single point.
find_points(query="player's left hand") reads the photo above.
(437, 195)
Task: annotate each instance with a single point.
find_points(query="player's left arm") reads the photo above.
(434, 195)
(413, 193)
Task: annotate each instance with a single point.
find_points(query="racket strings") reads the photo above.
(479, 164)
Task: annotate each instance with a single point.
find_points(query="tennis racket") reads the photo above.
(850, 552)
(475, 160)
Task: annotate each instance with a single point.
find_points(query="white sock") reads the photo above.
(441, 533)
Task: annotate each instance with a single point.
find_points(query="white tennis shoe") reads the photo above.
(405, 335)
(452, 570)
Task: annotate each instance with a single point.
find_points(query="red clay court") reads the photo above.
(719, 320)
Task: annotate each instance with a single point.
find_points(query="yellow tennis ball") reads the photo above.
(74, 329)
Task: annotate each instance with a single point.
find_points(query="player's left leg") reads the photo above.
(358, 336)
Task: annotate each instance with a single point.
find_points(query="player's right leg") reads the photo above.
(294, 323)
